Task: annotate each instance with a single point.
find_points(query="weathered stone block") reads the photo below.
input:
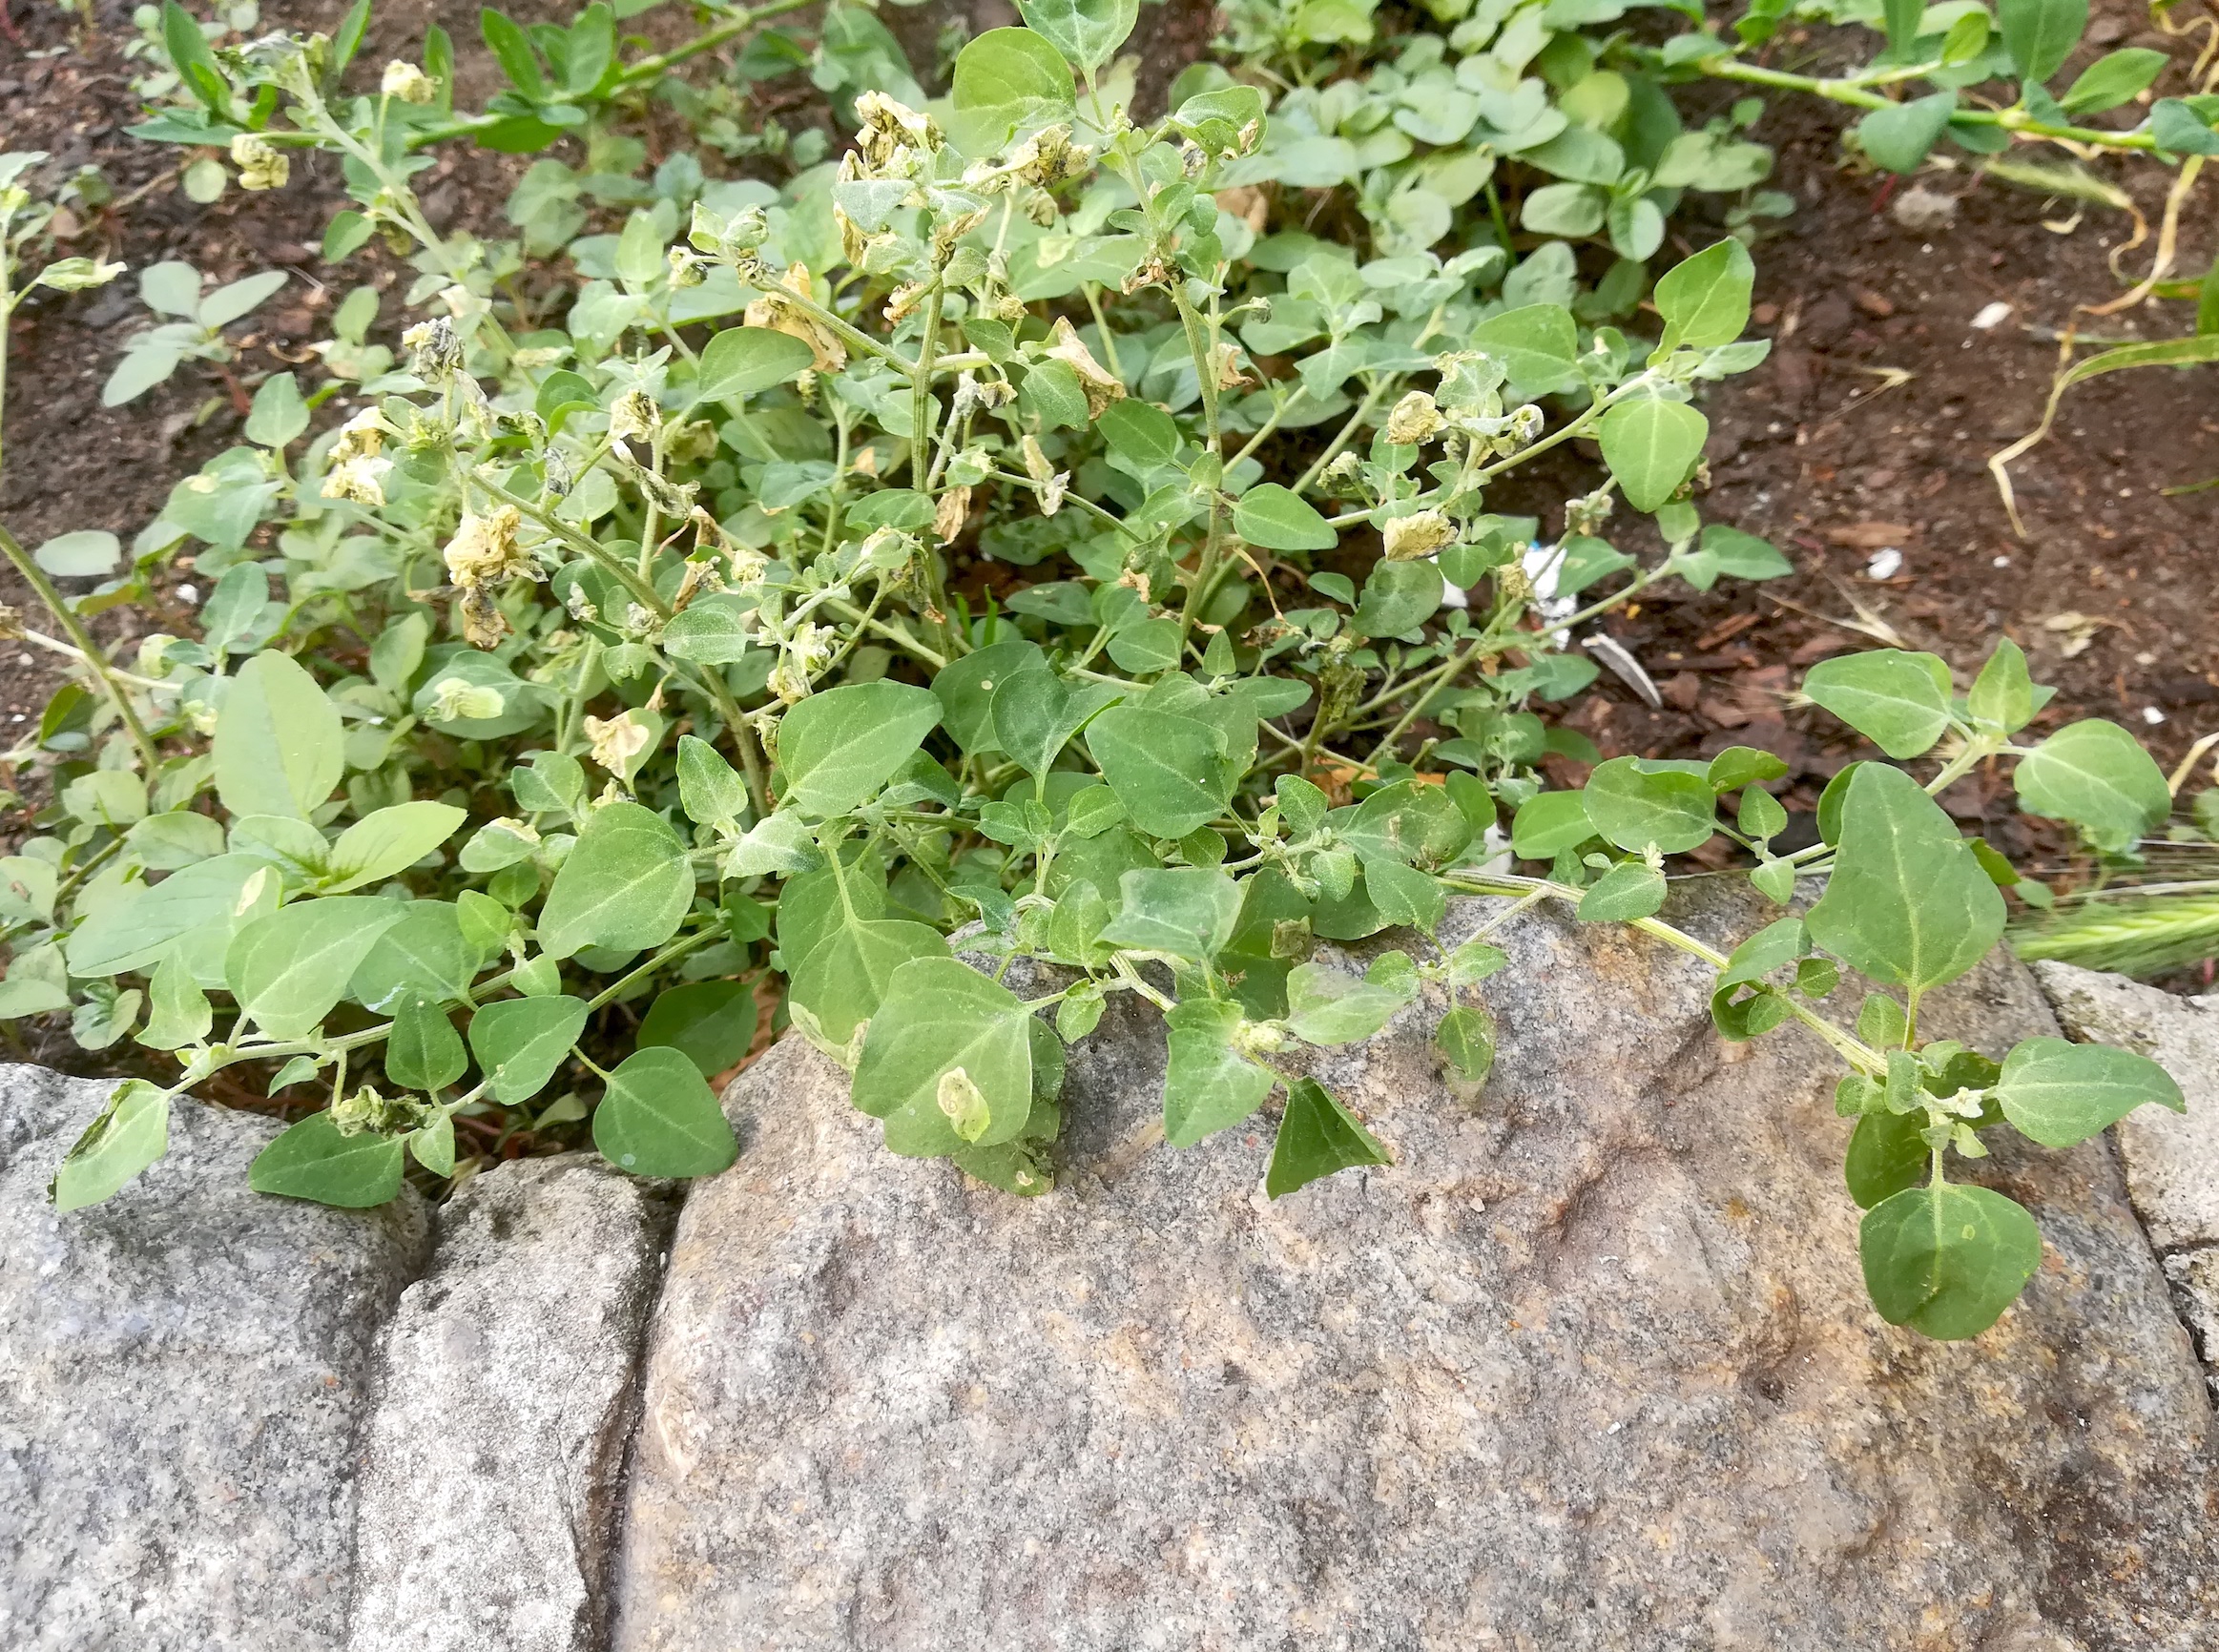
(1589, 1367)
(505, 1402)
(182, 1371)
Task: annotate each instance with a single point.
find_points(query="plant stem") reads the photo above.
(94, 660)
(1852, 1050)
(676, 949)
(1853, 90)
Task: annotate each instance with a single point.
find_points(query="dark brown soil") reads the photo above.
(1868, 429)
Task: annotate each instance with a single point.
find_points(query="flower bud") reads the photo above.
(1413, 420)
(408, 83)
(1421, 534)
(261, 164)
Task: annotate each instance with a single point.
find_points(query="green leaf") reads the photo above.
(313, 1161)
(1629, 890)
(942, 1018)
(88, 553)
(195, 64)
(1743, 555)
(1405, 896)
(1948, 1259)
(234, 300)
(592, 46)
(711, 1022)
(715, 629)
(1398, 597)
(1739, 766)
(625, 885)
(434, 1143)
(1634, 803)
(1172, 773)
(1537, 345)
(2097, 776)
(1035, 714)
(423, 1051)
(1209, 1085)
(1898, 701)
(1186, 911)
(1907, 903)
(1053, 397)
(512, 51)
(2041, 35)
(1318, 1136)
(177, 1011)
(1902, 23)
(289, 969)
(278, 747)
(2175, 125)
(2061, 1093)
(1899, 137)
(426, 954)
(390, 840)
(709, 789)
(1009, 77)
(839, 747)
(132, 930)
(129, 1133)
(1548, 824)
(659, 1119)
(519, 1041)
(1571, 212)
(1887, 1154)
(1086, 31)
(842, 981)
(740, 361)
(1407, 822)
(1279, 519)
(1140, 433)
(1651, 445)
(2112, 79)
(2002, 695)
(1466, 1041)
(1326, 1006)
(966, 691)
(278, 415)
(1704, 302)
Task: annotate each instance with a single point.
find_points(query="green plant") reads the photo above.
(2153, 905)
(1522, 124)
(173, 289)
(611, 664)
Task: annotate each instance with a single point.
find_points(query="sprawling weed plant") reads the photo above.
(599, 652)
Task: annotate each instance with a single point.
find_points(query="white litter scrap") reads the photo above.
(1991, 317)
(1624, 667)
(1542, 563)
(1887, 561)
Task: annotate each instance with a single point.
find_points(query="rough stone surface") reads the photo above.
(1588, 1368)
(181, 1373)
(2171, 1159)
(505, 1397)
